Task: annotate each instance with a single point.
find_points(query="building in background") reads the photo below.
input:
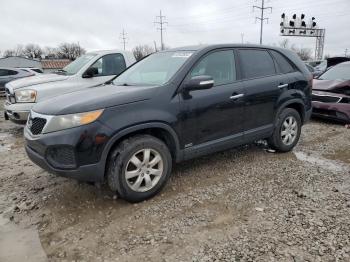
(51, 65)
(47, 65)
(18, 61)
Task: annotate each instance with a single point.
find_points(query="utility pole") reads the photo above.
(123, 37)
(346, 52)
(262, 9)
(160, 20)
(155, 46)
(242, 38)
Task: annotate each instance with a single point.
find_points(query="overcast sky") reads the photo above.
(98, 24)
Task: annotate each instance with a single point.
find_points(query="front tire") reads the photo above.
(287, 131)
(139, 167)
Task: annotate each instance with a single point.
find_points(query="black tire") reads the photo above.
(119, 158)
(275, 141)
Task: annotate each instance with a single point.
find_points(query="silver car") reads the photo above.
(10, 74)
(89, 70)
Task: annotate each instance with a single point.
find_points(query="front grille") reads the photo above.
(9, 97)
(61, 157)
(36, 125)
(325, 98)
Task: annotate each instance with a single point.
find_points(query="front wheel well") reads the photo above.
(159, 133)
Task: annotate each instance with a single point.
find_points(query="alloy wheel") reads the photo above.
(144, 170)
(289, 130)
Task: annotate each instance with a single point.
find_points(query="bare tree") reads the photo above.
(70, 51)
(51, 52)
(284, 43)
(32, 51)
(9, 52)
(327, 56)
(141, 51)
(18, 51)
(65, 50)
(305, 54)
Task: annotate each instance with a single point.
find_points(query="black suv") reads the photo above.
(169, 107)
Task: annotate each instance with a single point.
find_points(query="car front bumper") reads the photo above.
(331, 105)
(17, 113)
(76, 151)
(333, 111)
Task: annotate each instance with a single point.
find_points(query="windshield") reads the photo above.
(155, 69)
(77, 64)
(340, 72)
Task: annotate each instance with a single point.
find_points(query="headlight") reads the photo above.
(25, 96)
(57, 123)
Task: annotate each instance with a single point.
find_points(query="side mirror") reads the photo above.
(90, 72)
(199, 83)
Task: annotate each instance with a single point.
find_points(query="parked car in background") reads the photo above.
(89, 70)
(10, 74)
(331, 93)
(171, 106)
(311, 69)
(327, 64)
(33, 70)
(314, 63)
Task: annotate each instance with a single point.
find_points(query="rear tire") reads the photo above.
(139, 167)
(287, 131)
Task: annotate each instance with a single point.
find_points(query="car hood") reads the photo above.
(35, 80)
(94, 98)
(325, 85)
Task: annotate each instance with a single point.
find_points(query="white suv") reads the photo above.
(91, 69)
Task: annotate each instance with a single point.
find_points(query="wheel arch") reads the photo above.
(159, 130)
(297, 104)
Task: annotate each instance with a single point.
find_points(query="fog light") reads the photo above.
(62, 157)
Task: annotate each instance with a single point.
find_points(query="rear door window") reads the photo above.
(256, 63)
(283, 64)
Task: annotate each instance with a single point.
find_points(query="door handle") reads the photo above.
(282, 86)
(236, 96)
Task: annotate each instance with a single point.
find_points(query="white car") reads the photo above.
(91, 69)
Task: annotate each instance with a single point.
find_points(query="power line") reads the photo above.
(123, 36)
(161, 23)
(262, 18)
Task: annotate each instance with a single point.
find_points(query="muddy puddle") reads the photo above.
(19, 244)
(322, 162)
(5, 142)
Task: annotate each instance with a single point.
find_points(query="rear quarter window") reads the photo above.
(284, 66)
(256, 63)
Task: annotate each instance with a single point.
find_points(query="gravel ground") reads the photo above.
(244, 204)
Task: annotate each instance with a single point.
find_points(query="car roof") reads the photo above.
(106, 52)
(10, 68)
(217, 46)
(347, 63)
